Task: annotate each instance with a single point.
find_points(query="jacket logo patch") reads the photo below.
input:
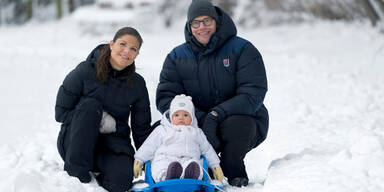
(226, 62)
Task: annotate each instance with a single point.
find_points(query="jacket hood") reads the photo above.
(94, 55)
(225, 29)
(166, 121)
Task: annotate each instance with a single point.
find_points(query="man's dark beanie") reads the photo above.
(200, 8)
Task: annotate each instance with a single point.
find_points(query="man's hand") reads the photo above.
(210, 129)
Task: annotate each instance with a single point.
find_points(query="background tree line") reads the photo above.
(246, 12)
(22, 11)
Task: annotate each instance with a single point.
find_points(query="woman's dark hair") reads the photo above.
(102, 64)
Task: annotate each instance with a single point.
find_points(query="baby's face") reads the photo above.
(181, 117)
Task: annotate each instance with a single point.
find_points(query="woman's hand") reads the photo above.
(108, 123)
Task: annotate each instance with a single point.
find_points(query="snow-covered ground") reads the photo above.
(326, 104)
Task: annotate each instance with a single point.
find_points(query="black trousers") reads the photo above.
(239, 134)
(79, 147)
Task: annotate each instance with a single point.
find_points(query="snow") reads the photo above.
(325, 99)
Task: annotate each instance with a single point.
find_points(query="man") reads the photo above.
(226, 78)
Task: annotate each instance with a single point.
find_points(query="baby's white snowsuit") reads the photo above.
(168, 143)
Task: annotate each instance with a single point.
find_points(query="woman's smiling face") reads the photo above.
(124, 51)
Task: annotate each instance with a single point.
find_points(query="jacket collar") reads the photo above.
(122, 74)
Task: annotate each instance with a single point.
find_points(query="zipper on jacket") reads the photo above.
(214, 82)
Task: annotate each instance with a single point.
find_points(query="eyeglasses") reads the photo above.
(206, 22)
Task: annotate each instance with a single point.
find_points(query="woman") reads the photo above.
(94, 103)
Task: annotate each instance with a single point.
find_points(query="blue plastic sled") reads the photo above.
(176, 185)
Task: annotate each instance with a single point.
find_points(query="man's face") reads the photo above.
(203, 27)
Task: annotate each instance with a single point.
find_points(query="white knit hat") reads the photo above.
(182, 102)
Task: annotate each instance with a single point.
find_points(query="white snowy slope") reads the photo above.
(326, 104)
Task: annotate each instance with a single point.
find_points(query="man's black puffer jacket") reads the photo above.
(227, 75)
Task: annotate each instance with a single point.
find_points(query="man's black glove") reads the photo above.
(210, 129)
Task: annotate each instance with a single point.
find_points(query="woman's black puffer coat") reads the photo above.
(119, 98)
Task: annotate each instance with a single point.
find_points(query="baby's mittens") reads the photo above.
(108, 123)
(218, 173)
(137, 168)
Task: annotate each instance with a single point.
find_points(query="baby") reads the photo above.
(175, 147)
